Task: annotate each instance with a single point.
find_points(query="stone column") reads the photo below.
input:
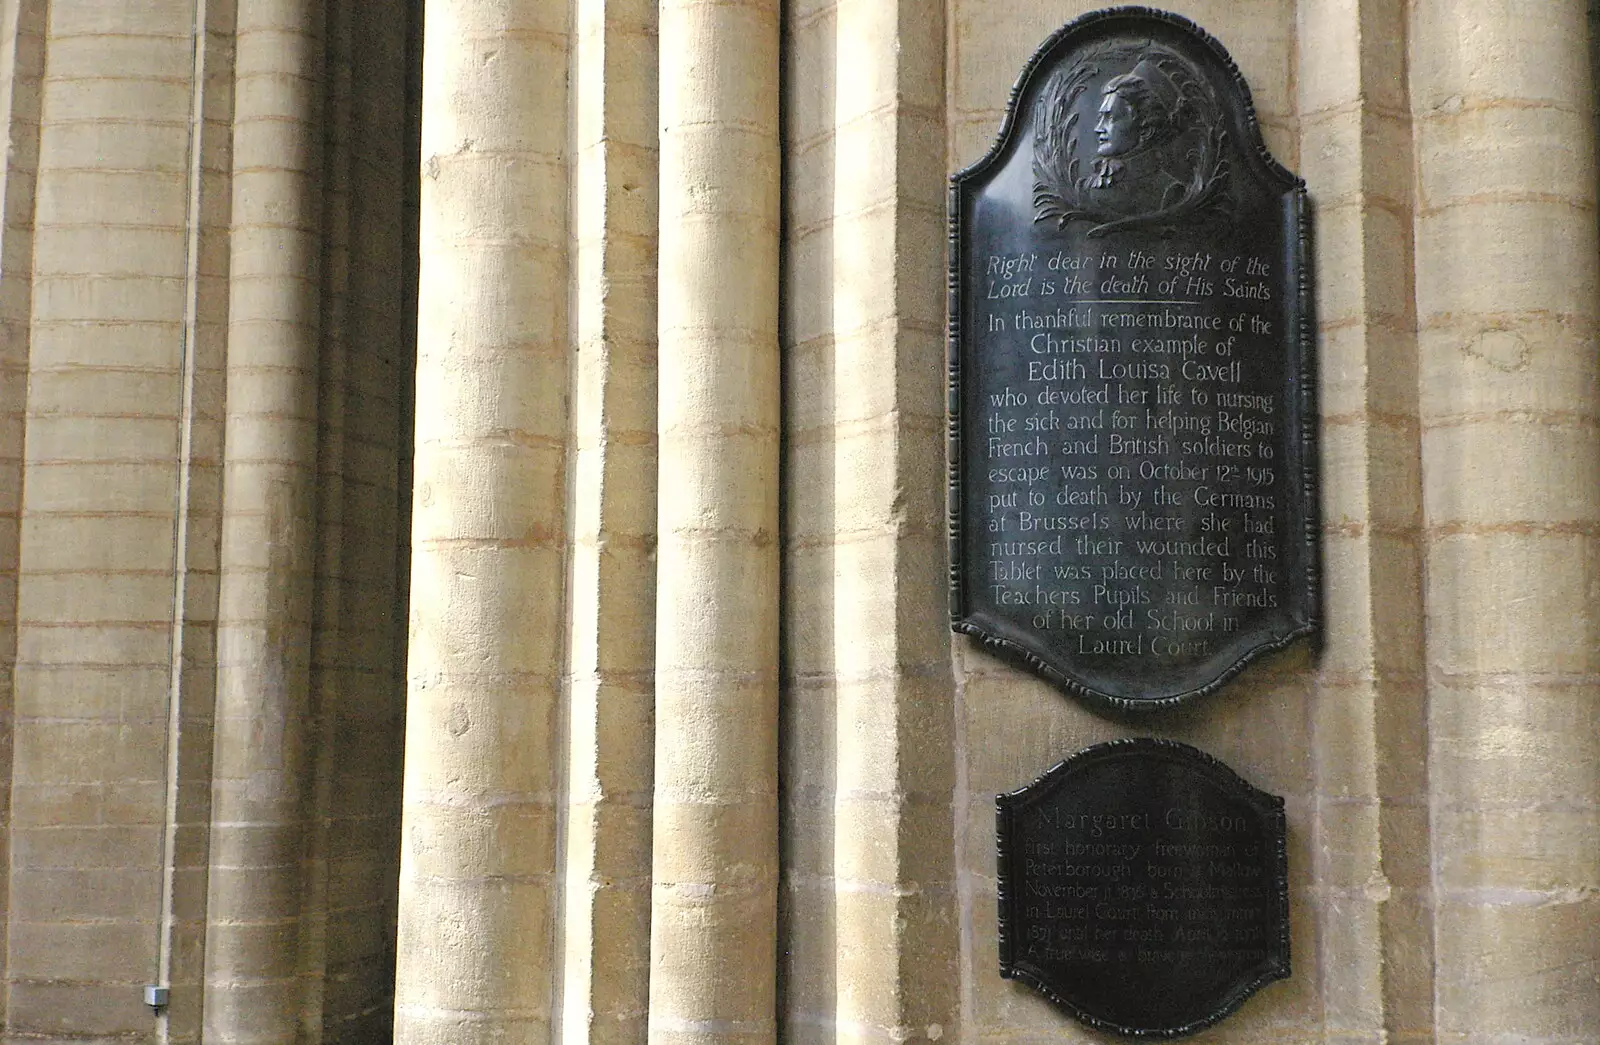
(715, 855)
(1506, 302)
(894, 890)
(611, 636)
(22, 30)
(263, 751)
(22, 24)
(807, 729)
(336, 448)
(478, 889)
(365, 724)
(1369, 829)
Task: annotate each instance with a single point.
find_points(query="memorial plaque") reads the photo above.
(1144, 888)
(1132, 488)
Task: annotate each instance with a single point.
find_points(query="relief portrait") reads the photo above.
(1129, 136)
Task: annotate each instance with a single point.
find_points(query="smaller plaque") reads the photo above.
(1144, 888)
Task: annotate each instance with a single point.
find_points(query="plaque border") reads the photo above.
(1304, 369)
(1010, 804)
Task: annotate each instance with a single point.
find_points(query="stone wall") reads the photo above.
(1337, 735)
(690, 754)
(1439, 790)
(206, 367)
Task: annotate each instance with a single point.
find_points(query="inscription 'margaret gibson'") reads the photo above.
(1132, 503)
(1143, 887)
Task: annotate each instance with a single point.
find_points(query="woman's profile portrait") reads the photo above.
(1156, 149)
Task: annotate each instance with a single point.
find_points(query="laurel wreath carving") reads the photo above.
(1060, 190)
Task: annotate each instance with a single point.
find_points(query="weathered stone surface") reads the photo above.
(595, 331)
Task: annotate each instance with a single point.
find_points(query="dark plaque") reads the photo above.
(1132, 488)
(1144, 888)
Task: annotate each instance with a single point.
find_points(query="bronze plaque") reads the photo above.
(1144, 888)
(1133, 470)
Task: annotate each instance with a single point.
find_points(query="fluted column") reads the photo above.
(477, 877)
(896, 948)
(22, 32)
(611, 636)
(714, 854)
(262, 750)
(335, 452)
(1373, 955)
(1506, 303)
(364, 722)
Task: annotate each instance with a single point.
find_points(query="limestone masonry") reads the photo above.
(473, 560)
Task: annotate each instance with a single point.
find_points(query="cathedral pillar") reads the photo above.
(870, 912)
(1506, 308)
(262, 757)
(1368, 827)
(605, 970)
(714, 852)
(478, 889)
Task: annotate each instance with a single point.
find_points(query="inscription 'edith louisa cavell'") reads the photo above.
(1132, 487)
